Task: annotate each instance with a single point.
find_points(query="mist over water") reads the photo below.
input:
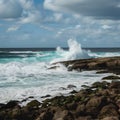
(25, 73)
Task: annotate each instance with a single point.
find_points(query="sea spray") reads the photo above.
(74, 52)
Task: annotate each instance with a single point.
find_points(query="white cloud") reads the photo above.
(100, 9)
(13, 28)
(106, 27)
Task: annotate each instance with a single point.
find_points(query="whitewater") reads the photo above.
(26, 74)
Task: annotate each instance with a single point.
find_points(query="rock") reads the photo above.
(109, 110)
(62, 88)
(95, 104)
(111, 77)
(2, 105)
(85, 118)
(73, 92)
(46, 96)
(47, 115)
(71, 86)
(102, 85)
(33, 104)
(81, 110)
(71, 106)
(11, 104)
(115, 84)
(110, 118)
(85, 86)
(109, 64)
(63, 115)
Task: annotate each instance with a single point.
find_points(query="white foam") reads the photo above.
(75, 52)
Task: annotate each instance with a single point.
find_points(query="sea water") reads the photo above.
(26, 73)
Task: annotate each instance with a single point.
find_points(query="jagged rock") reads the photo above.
(95, 104)
(11, 104)
(115, 84)
(33, 104)
(111, 77)
(109, 110)
(46, 96)
(109, 64)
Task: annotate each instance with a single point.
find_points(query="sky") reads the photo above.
(51, 23)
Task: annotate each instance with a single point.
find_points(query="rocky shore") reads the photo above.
(104, 65)
(100, 101)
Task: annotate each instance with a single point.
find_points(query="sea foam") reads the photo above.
(74, 52)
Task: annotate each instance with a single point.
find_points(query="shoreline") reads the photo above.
(101, 101)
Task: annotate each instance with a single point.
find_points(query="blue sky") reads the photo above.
(50, 23)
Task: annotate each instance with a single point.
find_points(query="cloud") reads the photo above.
(13, 28)
(99, 9)
(10, 9)
(23, 11)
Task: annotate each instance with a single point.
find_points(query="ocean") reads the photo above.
(25, 73)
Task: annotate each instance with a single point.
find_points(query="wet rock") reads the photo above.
(46, 96)
(33, 104)
(102, 85)
(71, 86)
(11, 104)
(73, 92)
(111, 77)
(62, 88)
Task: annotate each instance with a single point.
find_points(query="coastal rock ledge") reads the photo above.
(101, 101)
(108, 64)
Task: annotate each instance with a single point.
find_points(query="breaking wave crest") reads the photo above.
(74, 52)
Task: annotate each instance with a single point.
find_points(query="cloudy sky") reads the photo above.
(50, 23)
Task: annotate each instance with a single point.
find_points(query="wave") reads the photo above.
(74, 52)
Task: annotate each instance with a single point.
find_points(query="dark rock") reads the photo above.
(62, 88)
(11, 104)
(47, 115)
(109, 64)
(95, 104)
(111, 118)
(71, 106)
(112, 77)
(85, 86)
(109, 110)
(46, 96)
(33, 104)
(71, 86)
(73, 92)
(85, 118)
(63, 115)
(102, 85)
(115, 84)
(81, 110)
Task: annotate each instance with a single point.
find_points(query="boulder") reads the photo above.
(109, 110)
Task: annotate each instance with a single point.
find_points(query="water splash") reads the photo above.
(74, 52)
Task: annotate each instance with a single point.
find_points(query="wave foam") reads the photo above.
(74, 52)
